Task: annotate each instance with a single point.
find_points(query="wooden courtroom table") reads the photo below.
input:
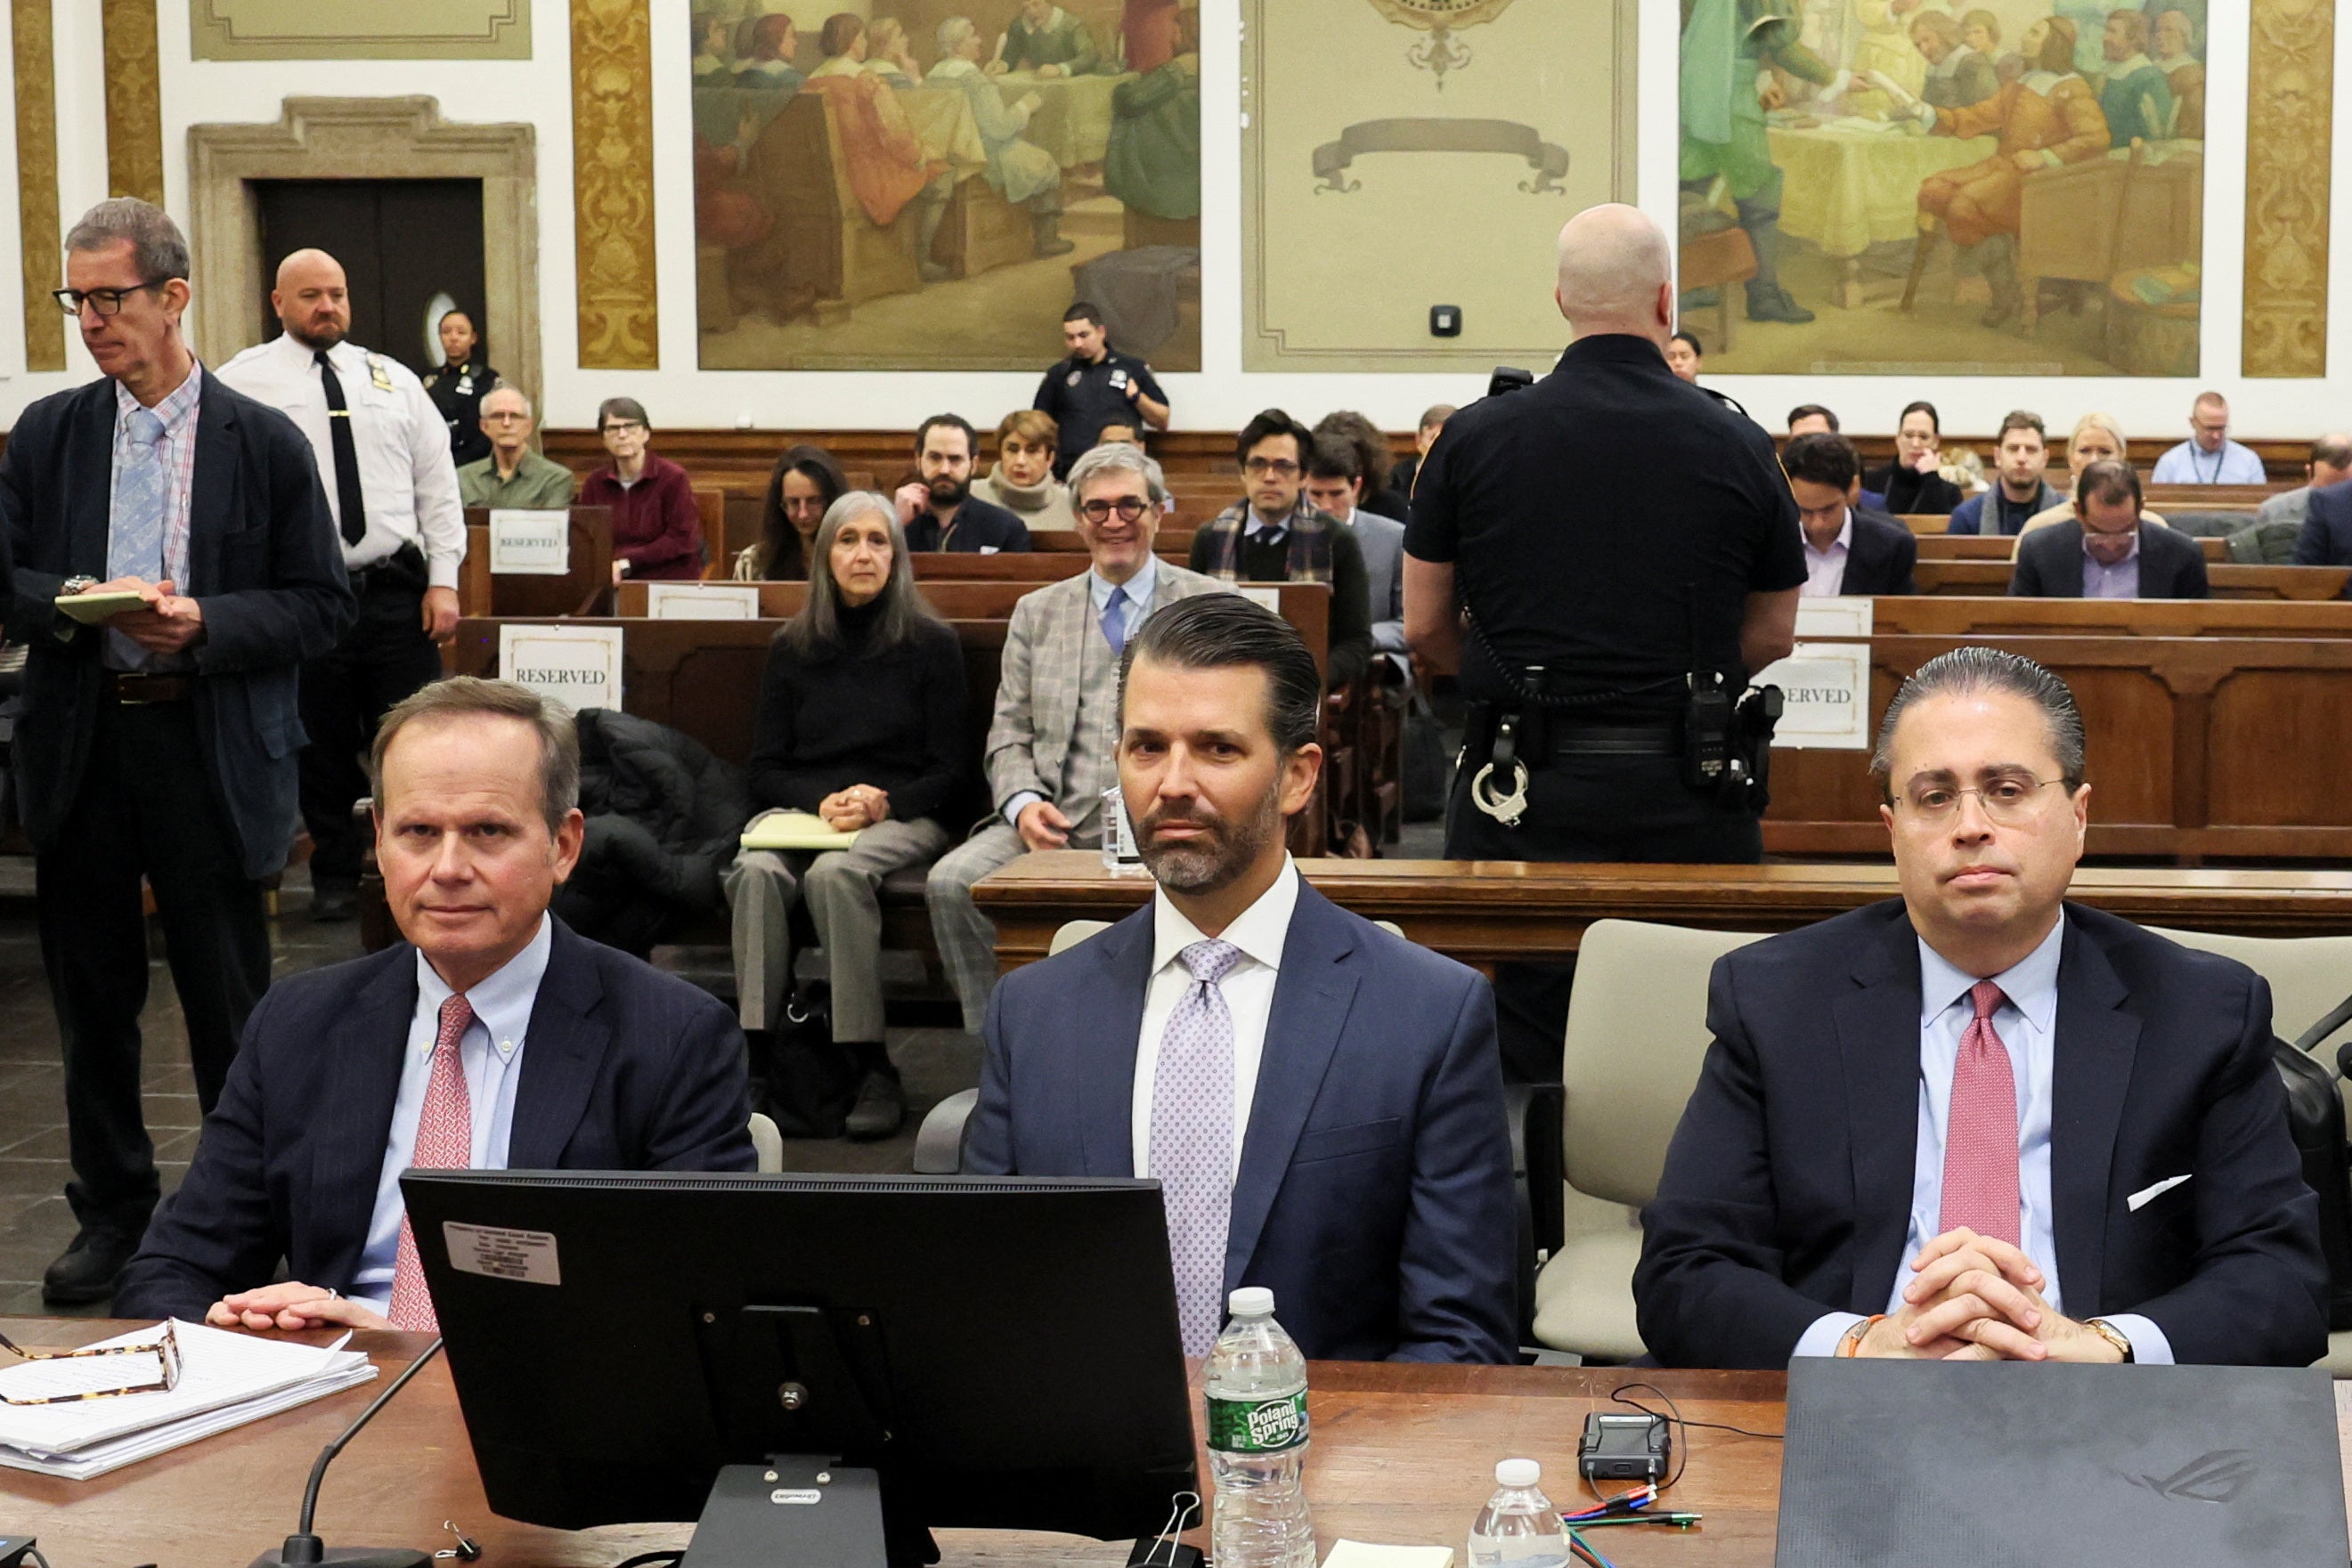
(1482, 913)
(2002, 547)
(2227, 580)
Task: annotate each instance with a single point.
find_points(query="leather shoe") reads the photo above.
(88, 1270)
(881, 1108)
(333, 901)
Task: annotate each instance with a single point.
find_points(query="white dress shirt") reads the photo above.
(1825, 569)
(2026, 1021)
(1259, 932)
(492, 1055)
(408, 480)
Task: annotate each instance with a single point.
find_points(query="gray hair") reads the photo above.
(1118, 459)
(1969, 671)
(954, 32)
(506, 386)
(469, 696)
(158, 248)
(817, 628)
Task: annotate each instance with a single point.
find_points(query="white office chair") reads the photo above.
(768, 1144)
(1636, 1037)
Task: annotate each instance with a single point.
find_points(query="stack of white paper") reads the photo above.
(225, 1380)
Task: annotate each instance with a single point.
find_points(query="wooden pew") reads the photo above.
(581, 590)
(1951, 616)
(2000, 546)
(1483, 912)
(1980, 579)
(1175, 543)
(2201, 747)
(1927, 524)
(2210, 497)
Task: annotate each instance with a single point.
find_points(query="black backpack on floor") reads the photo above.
(2314, 1116)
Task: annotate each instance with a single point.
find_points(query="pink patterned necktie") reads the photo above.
(445, 1142)
(1980, 1130)
(1193, 1140)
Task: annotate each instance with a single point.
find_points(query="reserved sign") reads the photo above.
(1825, 692)
(529, 543)
(579, 666)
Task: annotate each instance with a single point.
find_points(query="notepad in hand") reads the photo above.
(794, 831)
(90, 609)
(1357, 1554)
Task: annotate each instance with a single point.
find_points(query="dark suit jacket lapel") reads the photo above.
(213, 491)
(1108, 1040)
(560, 1055)
(2067, 577)
(365, 1055)
(89, 488)
(2091, 1066)
(1311, 997)
(1861, 567)
(1879, 1049)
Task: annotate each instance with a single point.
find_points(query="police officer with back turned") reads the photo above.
(1605, 557)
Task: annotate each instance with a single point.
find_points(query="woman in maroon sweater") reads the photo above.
(655, 533)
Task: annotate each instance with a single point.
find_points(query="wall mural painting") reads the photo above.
(1945, 187)
(928, 184)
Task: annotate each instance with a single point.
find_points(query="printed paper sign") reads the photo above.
(1825, 690)
(1834, 619)
(529, 544)
(579, 666)
(1270, 598)
(529, 1256)
(704, 600)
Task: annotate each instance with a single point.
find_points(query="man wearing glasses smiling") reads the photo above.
(1981, 1122)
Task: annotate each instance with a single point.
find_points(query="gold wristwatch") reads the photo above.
(2112, 1335)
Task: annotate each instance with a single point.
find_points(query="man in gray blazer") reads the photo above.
(1052, 751)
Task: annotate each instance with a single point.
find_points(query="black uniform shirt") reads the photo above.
(1083, 398)
(458, 392)
(1588, 516)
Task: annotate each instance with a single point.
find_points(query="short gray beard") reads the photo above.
(1193, 869)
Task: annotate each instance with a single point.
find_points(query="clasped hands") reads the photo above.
(171, 621)
(1976, 1298)
(859, 806)
(291, 1305)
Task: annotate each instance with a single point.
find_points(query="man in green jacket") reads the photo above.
(1726, 90)
(1048, 40)
(513, 474)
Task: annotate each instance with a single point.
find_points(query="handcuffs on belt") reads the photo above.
(1504, 808)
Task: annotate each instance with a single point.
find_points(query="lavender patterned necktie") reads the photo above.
(1192, 1139)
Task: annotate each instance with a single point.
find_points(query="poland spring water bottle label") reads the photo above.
(1257, 1426)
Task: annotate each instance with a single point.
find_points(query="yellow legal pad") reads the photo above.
(90, 609)
(794, 831)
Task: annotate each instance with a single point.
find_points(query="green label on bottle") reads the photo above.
(1257, 1426)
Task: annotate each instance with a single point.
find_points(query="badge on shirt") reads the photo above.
(1118, 379)
(378, 373)
(1074, 377)
(465, 385)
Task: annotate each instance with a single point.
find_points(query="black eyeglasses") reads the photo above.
(1130, 508)
(1282, 467)
(105, 301)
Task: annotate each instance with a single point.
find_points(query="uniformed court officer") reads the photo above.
(463, 379)
(382, 450)
(1095, 386)
(1605, 557)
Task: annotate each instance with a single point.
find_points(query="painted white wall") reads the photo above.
(1220, 396)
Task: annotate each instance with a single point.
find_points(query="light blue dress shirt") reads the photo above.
(2120, 581)
(1099, 588)
(492, 1055)
(2190, 463)
(2027, 1023)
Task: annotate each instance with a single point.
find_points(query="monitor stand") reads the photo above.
(795, 1510)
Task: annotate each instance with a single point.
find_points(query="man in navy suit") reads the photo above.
(2111, 552)
(493, 1039)
(1321, 1102)
(2327, 535)
(1848, 549)
(161, 745)
(1979, 1122)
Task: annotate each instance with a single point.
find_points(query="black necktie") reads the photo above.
(347, 454)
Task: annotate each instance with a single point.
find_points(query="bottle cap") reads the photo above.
(1250, 1301)
(1517, 1473)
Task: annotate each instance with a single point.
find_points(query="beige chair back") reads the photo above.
(2308, 976)
(767, 1143)
(1072, 933)
(1637, 1037)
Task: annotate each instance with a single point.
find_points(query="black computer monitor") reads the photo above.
(1002, 1352)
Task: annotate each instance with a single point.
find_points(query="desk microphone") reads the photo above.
(303, 1549)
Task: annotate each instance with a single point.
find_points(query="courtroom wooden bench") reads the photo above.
(1980, 579)
(583, 589)
(1953, 616)
(2000, 546)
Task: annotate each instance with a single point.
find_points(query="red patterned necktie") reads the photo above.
(445, 1142)
(1980, 1130)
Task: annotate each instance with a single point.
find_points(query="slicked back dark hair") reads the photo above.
(1822, 459)
(1271, 423)
(1222, 631)
(2108, 479)
(1968, 670)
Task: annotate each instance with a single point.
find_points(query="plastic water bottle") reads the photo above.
(1257, 1385)
(1519, 1528)
(1119, 851)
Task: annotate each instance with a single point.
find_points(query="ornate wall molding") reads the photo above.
(37, 236)
(2291, 68)
(362, 139)
(134, 101)
(359, 29)
(612, 184)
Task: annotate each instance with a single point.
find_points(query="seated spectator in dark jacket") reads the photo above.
(802, 488)
(2327, 535)
(656, 531)
(861, 722)
(2113, 553)
(1277, 535)
(1424, 436)
(1914, 484)
(1813, 419)
(2020, 493)
(1847, 550)
(936, 507)
(1371, 446)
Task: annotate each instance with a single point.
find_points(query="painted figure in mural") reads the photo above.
(1881, 42)
(1147, 32)
(1725, 93)
(2136, 96)
(1958, 74)
(887, 167)
(1153, 163)
(889, 56)
(1024, 171)
(1046, 39)
(710, 32)
(768, 62)
(2183, 72)
(2045, 120)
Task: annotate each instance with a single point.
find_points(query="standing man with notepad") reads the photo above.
(383, 449)
(161, 745)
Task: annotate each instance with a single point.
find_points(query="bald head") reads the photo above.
(311, 300)
(1616, 274)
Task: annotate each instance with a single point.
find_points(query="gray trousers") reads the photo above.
(967, 938)
(841, 890)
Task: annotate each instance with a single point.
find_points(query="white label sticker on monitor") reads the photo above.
(500, 1254)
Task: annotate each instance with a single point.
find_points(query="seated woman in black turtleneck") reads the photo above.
(1913, 484)
(861, 722)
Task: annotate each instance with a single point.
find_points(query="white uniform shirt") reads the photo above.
(408, 481)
